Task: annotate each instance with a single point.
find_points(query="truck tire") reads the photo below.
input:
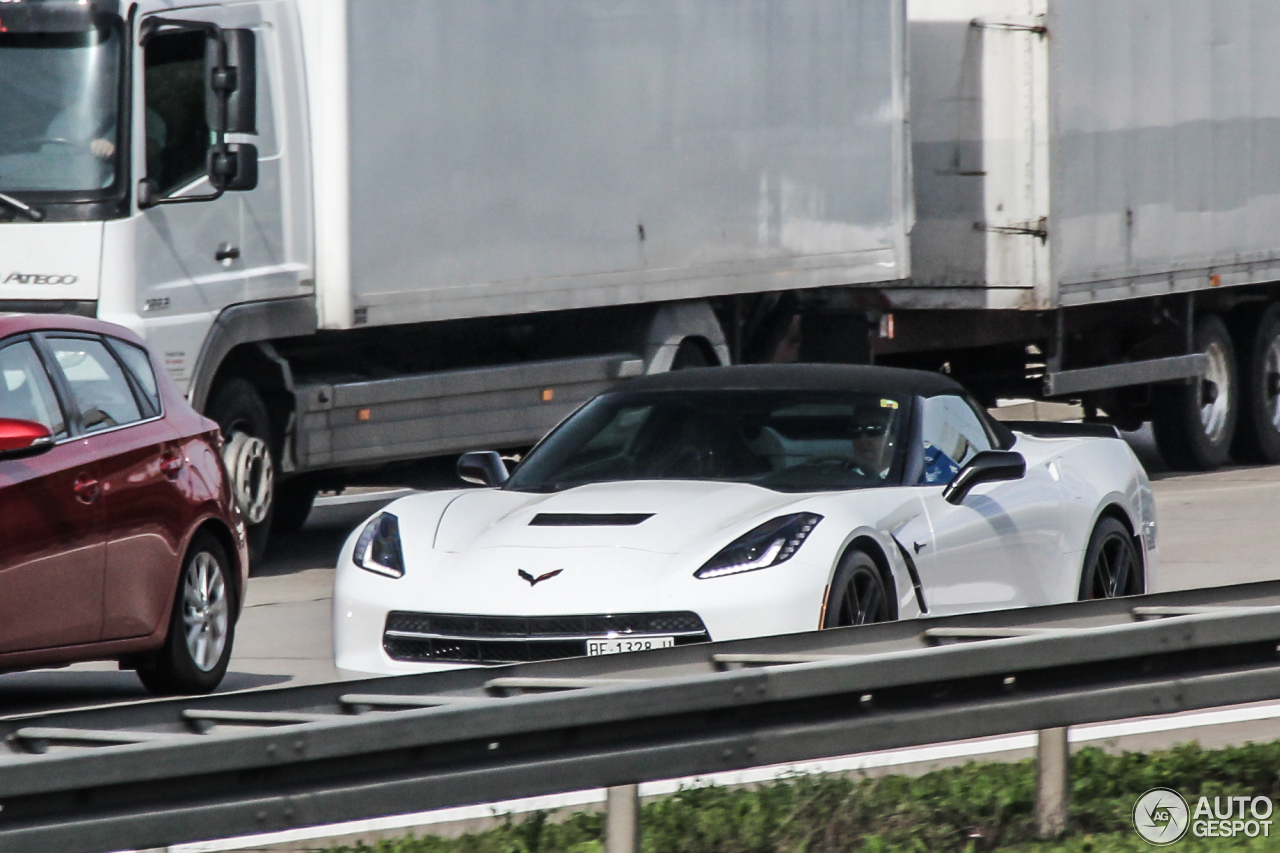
(293, 501)
(1195, 423)
(250, 453)
(1258, 431)
(692, 353)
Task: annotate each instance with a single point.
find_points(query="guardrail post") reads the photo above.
(1052, 782)
(622, 819)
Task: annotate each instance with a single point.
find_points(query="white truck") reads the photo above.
(364, 233)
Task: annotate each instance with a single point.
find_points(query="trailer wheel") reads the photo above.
(1195, 423)
(692, 352)
(250, 456)
(1258, 432)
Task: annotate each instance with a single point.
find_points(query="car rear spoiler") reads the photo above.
(1059, 429)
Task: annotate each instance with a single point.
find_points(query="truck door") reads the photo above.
(188, 254)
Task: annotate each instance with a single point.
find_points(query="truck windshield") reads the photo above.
(59, 102)
(788, 441)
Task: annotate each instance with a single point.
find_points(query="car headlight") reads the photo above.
(378, 548)
(768, 545)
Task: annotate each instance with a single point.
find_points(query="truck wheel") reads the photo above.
(249, 454)
(1258, 433)
(202, 625)
(691, 353)
(1195, 423)
(293, 502)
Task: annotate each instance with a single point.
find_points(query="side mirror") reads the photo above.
(484, 467)
(989, 466)
(242, 101)
(23, 438)
(231, 97)
(235, 168)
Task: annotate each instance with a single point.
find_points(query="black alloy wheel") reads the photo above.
(1112, 563)
(858, 594)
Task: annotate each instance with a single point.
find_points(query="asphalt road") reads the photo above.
(1214, 529)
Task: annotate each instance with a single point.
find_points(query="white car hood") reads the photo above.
(682, 514)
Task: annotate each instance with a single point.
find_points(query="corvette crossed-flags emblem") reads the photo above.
(539, 579)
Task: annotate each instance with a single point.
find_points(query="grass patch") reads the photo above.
(966, 809)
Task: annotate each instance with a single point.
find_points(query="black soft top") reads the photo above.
(869, 379)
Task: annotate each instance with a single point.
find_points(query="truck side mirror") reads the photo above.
(231, 99)
(242, 101)
(235, 168)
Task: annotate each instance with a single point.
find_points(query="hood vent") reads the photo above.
(589, 519)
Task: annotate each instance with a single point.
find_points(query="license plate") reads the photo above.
(617, 647)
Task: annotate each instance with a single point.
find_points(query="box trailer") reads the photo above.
(1097, 185)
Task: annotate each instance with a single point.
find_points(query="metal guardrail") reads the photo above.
(161, 772)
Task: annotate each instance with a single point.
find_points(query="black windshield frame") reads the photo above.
(527, 478)
(88, 203)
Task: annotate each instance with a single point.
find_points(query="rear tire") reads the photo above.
(858, 594)
(1112, 563)
(1258, 432)
(692, 353)
(1195, 423)
(251, 453)
(197, 650)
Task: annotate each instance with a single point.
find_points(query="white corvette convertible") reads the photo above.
(722, 503)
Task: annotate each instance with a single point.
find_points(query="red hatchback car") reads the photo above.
(119, 534)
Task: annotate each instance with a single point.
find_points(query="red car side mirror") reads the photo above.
(23, 438)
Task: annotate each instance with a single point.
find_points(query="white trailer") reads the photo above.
(1098, 190)
(361, 233)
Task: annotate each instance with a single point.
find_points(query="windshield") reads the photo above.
(59, 103)
(789, 441)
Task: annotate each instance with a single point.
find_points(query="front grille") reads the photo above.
(454, 638)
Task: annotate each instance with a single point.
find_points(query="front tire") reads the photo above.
(1194, 423)
(1258, 433)
(249, 451)
(858, 594)
(1112, 563)
(294, 500)
(197, 650)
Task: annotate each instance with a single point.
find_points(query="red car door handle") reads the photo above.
(171, 464)
(86, 489)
